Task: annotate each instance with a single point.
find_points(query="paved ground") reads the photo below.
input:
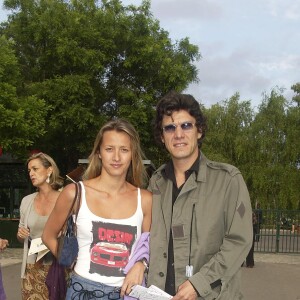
(11, 256)
(274, 276)
(14, 255)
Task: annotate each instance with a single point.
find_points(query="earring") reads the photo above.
(48, 179)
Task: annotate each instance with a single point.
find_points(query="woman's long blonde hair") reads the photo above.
(136, 174)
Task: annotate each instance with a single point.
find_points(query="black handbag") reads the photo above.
(67, 250)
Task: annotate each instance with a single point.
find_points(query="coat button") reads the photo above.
(161, 274)
(165, 255)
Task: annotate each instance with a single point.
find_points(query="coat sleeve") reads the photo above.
(236, 243)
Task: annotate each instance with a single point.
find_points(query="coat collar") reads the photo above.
(165, 187)
(201, 174)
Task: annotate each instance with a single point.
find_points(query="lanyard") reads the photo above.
(189, 268)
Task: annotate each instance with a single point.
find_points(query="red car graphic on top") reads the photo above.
(115, 255)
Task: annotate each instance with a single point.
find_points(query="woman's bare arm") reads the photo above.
(136, 273)
(58, 217)
(147, 210)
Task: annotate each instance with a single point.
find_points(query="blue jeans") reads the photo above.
(80, 288)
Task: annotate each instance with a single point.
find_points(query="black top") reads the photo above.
(168, 173)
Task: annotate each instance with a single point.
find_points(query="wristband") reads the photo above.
(145, 263)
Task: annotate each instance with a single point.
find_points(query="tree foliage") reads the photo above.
(66, 67)
(264, 145)
(22, 118)
(91, 61)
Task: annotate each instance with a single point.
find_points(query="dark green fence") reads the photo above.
(278, 231)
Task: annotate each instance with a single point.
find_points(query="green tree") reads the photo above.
(228, 134)
(228, 123)
(268, 136)
(296, 89)
(91, 61)
(263, 145)
(292, 151)
(22, 119)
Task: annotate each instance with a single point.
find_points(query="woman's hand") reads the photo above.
(134, 276)
(3, 244)
(22, 234)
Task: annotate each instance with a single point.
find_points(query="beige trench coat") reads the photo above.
(221, 231)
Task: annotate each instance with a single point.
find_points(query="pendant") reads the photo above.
(189, 271)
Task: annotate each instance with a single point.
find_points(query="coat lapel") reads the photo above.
(165, 188)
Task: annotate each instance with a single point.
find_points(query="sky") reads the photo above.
(246, 46)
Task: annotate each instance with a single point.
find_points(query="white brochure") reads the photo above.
(151, 293)
(37, 246)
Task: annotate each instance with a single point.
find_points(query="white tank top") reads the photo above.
(106, 245)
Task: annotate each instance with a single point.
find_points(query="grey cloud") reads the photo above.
(221, 76)
(285, 9)
(186, 10)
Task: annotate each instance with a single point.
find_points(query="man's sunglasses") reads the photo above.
(186, 126)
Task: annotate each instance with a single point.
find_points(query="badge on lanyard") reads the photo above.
(189, 271)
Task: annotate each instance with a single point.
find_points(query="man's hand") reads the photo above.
(185, 291)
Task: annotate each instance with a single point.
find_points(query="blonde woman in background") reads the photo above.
(34, 212)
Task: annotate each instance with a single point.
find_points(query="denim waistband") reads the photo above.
(80, 288)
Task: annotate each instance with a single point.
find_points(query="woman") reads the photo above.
(113, 213)
(34, 211)
(3, 245)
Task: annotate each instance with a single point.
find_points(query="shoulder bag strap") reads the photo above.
(77, 199)
(65, 225)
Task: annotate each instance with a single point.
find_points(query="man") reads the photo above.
(201, 228)
(259, 218)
